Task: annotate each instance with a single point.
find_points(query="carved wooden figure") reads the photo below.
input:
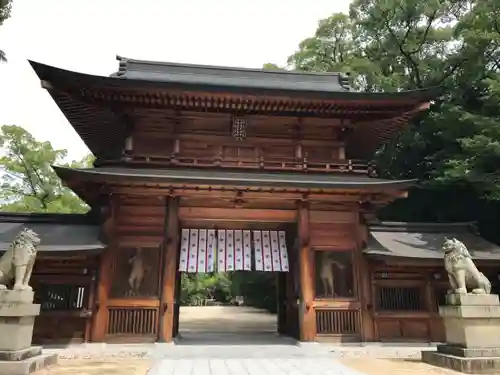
(327, 275)
(136, 272)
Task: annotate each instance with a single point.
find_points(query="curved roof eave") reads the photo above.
(62, 78)
(213, 177)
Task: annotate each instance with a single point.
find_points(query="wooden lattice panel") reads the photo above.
(132, 321)
(399, 298)
(338, 322)
(62, 297)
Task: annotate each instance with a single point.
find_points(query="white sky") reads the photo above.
(86, 36)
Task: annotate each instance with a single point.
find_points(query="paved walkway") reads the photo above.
(251, 366)
(267, 355)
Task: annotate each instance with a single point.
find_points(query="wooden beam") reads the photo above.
(47, 85)
(335, 195)
(170, 249)
(104, 279)
(307, 314)
(236, 214)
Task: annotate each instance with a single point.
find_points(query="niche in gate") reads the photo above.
(135, 273)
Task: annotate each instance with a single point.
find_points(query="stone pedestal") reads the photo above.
(17, 317)
(472, 327)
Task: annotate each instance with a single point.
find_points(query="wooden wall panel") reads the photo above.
(388, 329)
(318, 217)
(235, 214)
(207, 135)
(402, 329)
(136, 215)
(333, 236)
(58, 329)
(156, 143)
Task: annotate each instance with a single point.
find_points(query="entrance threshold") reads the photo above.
(233, 338)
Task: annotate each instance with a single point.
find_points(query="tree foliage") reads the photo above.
(258, 289)
(29, 184)
(454, 149)
(5, 8)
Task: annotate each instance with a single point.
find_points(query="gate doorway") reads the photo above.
(254, 304)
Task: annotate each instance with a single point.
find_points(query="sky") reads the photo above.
(86, 36)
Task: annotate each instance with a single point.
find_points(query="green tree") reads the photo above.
(29, 184)
(271, 66)
(5, 8)
(390, 45)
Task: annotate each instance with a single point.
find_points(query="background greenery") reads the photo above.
(385, 45)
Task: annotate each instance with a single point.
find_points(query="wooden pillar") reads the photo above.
(178, 287)
(170, 249)
(100, 311)
(307, 314)
(364, 282)
(90, 303)
(429, 305)
(281, 302)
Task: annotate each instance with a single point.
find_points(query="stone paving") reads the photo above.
(241, 358)
(251, 366)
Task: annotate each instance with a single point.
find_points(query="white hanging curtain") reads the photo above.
(232, 250)
(197, 250)
(270, 251)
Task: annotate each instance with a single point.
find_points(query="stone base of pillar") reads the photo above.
(472, 327)
(17, 317)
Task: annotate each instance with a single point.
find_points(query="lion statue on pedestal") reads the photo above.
(17, 262)
(462, 272)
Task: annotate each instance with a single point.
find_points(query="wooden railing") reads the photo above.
(338, 322)
(262, 163)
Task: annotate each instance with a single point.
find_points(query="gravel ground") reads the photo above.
(93, 367)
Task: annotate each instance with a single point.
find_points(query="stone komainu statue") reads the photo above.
(17, 262)
(462, 272)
